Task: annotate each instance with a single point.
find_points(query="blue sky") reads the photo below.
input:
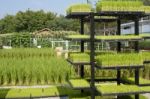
(13, 6)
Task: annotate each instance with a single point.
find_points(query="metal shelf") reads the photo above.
(120, 67)
(78, 63)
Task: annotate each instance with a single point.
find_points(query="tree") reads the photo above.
(61, 23)
(30, 21)
(7, 24)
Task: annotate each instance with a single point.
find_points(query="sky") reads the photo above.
(11, 7)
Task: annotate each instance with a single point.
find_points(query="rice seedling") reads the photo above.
(28, 67)
(146, 55)
(87, 37)
(120, 59)
(79, 57)
(112, 88)
(146, 9)
(79, 8)
(119, 5)
(132, 80)
(79, 83)
(145, 35)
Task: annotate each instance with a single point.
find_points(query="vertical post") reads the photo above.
(82, 46)
(118, 33)
(118, 76)
(118, 48)
(137, 81)
(92, 54)
(136, 21)
(137, 50)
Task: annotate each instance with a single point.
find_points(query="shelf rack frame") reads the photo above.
(135, 16)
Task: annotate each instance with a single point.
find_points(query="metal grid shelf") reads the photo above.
(119, 67)
(78, 63)
(101, 40)
(79, 84)
(131, 81)
(146, 62)
(125, 90)
(107, 13)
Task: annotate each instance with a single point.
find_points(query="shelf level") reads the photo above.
(78, 15)
(120, 67)
(121, 90)
(78, 63)
(79, 84)
(103, 38)
(142, 82)
(147, 62)
(126, 14)
(145, 36)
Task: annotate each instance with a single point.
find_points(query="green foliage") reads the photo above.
(79, 57)
(21, 39)
(146, 55)
(58, 24)
(30, 21)
(144, 45)
(145, 35)
(120, 59)
(110, 88)
(87, 37)
(119, 5)
(32, 67)
(1, 42)
(146, 88)
(79, 83)
(40, 92)
(132, 80)
(79, 8)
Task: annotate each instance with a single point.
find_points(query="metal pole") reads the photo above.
(92, 54)
(118, 33)
(118, 76)
(136, 21)
(137, 50)
(82, 47)
(137, 81)
(118, 48)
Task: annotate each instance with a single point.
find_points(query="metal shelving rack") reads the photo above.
(90, 17)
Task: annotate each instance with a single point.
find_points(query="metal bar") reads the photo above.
(92, 54)
(136, 33)
(82, 47)
(118, 50)
(119, 67)
(118, 77)
(118, 33)
(137, 81)
(137, 50)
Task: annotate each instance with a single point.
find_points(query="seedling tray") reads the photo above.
(79, 84)
(119, 90)
(142, 82)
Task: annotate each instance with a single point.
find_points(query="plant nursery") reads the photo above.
(84, 74)
(133, 62)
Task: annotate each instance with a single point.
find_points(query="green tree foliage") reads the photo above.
(61, 23)
(30, 21)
